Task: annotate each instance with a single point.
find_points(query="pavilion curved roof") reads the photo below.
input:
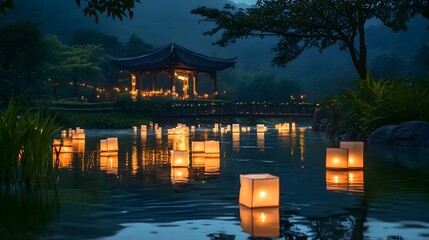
(163, 58)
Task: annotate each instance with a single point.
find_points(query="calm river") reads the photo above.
(138, 195)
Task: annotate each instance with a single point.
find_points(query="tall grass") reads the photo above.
(26, 147)
(373, 103)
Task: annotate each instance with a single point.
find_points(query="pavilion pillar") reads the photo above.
(173, 83)
(133, 84)
(139, 84)
(194, 83)
(153, 81)
(214, 77)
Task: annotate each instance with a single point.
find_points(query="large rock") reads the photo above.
(413, 133)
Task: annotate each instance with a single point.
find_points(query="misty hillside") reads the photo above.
(160, 22)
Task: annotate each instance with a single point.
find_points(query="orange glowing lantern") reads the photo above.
(211, 147)
(179, 175)
(355, 153)
(143, 128)
(112, 144)
(259, 190)
(236, 128)
(336, 158)
(260, 128)
(78, 145)
(198, 147)
(79, 133)
(260, 222)
(64, 159)
(179, 158)
(212, 165)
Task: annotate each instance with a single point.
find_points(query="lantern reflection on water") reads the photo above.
(259, 190)
(198, 161)
(109, 164)
(345, 180)
(260, 222)
(336, 158)
(236, 141)
(212, 164)
(211, 147)
(64, 159)
(179, 158)
(355, 157)
(179, 174)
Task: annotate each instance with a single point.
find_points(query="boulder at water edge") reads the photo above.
(413, 133)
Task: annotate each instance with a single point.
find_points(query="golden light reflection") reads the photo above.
(260, 222)
(260, 141)
(179, 175)
(109, 164)
(64, 159)
(212, 165)
(236, 141)
(345, 180)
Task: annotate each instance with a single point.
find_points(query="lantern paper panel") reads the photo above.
(112, 144)
(259, 190)
(356, 150)
(236, 128)
(212, 165)
(211, 147)
(179, 175)
(336, 158)
(179, 158)
(260, 128)
(260, 222)
(198, 147)
(143, 128)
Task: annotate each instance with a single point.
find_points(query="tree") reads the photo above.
(136, 46)
(21, 53)
(305, 24)
(113, 8)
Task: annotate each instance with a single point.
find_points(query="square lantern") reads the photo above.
(236, 128)
(260, 222)
(179, 158)
(337, 158)
(260, 128)
(336, 180)
(143, 128)
(212, 165)
(211, 147)
(112, 144)
(179, 175)
(355, 148)
(198, 147)
(355, 181)
(103, 145)
(259, 190)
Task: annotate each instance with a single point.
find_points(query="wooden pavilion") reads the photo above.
(175, 62)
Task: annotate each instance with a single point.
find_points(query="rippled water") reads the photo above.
(138, 195)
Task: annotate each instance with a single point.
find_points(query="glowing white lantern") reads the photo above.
(259, 190)
(179, 158)
(236, 128)
(260, 222)
(355, 159)
(212, 147)
(198, 147)
(336, 158)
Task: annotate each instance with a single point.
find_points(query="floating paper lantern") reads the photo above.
(336, 158)
(179, 158)
(260, 222)
(143, 128)
(355, 158)
(198, 147)
(260, 128)
(109, 146)
(211, 147)
(236, 128)
(79, 133)
(63, 133)
(179, 174)
(259, 190)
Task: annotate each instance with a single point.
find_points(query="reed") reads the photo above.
(26, 147)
